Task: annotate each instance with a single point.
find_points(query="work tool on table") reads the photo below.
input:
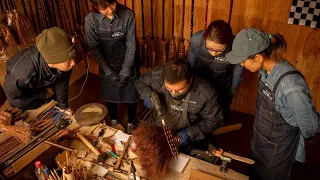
(100, 135)
(123, 152)
(101, 156)
(213, 154)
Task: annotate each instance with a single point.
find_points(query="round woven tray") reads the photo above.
(90, 114)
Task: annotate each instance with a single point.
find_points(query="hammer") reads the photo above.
(101, 156)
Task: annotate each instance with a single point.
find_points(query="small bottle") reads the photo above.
(40, 171)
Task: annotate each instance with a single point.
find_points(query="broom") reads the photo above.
(156, 146)
(23, 29)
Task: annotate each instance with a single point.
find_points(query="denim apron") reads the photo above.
(113, 46)
(218, 71)
(273, 142)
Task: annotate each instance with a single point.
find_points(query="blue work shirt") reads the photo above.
(293, 102)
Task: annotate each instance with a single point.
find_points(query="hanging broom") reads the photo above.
(156, 146)
(23, 29)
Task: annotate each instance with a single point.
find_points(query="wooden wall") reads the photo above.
(270, 16)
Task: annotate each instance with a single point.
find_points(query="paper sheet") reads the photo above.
(179, 164)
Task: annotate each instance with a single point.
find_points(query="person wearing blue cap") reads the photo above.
(285, 114)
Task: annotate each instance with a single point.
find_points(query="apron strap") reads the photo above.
(282, 76)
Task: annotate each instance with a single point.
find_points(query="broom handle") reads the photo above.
(86, 142)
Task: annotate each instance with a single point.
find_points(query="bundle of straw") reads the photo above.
(23, 134)
(154, 150)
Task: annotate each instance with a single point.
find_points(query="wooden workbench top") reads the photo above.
(194, 163)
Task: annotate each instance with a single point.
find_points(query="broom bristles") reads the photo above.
(153, 150)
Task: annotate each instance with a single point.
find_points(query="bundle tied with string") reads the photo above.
(23, 29)
(22, 133)
(155, 147)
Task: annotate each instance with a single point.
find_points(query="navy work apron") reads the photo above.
(273, 142)
(218, 71)
(113, 46)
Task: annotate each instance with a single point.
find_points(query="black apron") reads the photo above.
(113, 46)
(273, 142)
(218, 71)
(175, 111)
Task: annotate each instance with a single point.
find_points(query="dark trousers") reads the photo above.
(131, 110)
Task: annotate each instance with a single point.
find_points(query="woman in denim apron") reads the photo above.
(285, 114)
(111, 35)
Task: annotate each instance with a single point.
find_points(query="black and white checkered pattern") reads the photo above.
(305, 12)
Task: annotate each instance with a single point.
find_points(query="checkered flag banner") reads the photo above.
(305, 13)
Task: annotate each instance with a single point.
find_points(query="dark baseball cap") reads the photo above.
(247, 42)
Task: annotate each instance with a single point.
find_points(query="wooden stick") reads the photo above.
(42, 109)
(238, 158)
(226, 129)
(55, 172)
(53, 176)
(86, 142)
(123, 152)
(59, 146)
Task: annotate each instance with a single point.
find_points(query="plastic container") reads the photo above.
(41, 171)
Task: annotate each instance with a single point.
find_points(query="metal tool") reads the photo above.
(157, 107)
(213, 154)
(100, 135)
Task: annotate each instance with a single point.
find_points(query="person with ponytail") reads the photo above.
(285, 114)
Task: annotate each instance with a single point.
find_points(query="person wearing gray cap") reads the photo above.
(207, 56)
(285, 114)
(33, 72)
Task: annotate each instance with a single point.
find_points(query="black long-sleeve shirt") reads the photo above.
(28, 76)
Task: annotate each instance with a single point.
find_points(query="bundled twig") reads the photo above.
(23, 134)
(17, 114)
(23, 29)
(9, 146)
(41, 125)
(153, 149)
(7, 35)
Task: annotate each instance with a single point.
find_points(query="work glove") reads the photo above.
(114, 77)
(147, 101)
(123, 79)
(184, 137)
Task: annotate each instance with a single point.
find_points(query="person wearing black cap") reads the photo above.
(33, 72)
(285, 114)
(110, 32)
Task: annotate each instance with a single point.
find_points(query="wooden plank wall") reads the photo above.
(303, 42)
(270, 16)
(303, 45)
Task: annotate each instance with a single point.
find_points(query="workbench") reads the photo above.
(193, 163)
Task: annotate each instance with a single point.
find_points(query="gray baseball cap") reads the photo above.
(247, 42)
